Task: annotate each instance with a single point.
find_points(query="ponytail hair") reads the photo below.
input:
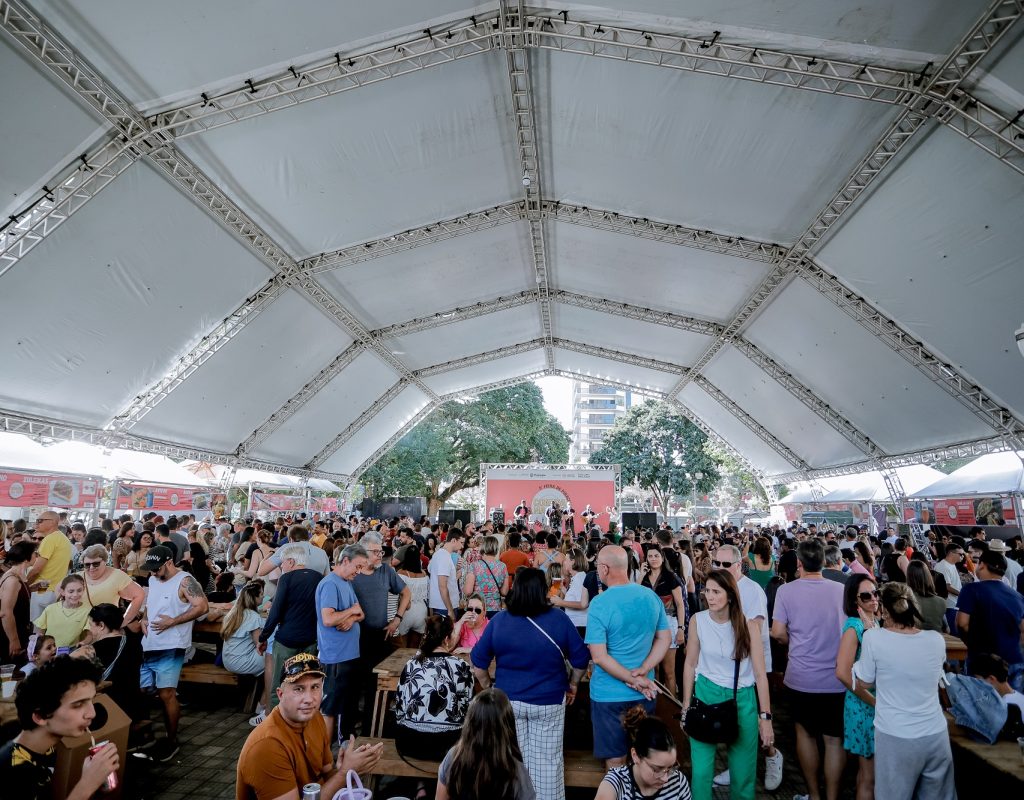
(647, 734)
(437, 629)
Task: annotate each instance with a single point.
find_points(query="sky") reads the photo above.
(557, 398)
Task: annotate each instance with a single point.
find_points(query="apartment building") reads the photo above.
(595, 407)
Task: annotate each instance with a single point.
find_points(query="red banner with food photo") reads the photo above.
(24, 489)
(144, 497)
(263, 501)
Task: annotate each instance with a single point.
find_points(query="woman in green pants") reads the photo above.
(718, 638)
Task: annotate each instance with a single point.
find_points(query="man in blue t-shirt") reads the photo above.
(627, 632)
(337, 637)
(990, 617)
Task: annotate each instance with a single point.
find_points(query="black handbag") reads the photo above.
(714, 723)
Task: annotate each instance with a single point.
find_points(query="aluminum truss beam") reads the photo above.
(338, 73)
(632, 359)
(300, 398)
(714, 436)
(991, 131)
(629, 387)
(664, 318)
(1008, 425)
(756, 428)
(356, 425)
(395, 438)
(13, 422)
(978, 41)
(415, 237)
(895, 487)
(668, 232)
(480, 358)
(457, 314)
(710, 56)
(513, 35)
(970, 449)
(504, 383)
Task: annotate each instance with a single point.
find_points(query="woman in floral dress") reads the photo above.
(488, 576)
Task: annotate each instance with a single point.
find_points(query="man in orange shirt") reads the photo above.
(513, 558)
(291, 748)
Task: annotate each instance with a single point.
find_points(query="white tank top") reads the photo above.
(715, 661)
(163, 600)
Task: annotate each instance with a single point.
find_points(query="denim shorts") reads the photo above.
(161, 668)
(610, 739)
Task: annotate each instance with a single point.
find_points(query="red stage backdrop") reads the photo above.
(539, 486)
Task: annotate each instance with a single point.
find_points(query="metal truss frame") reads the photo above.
(604, 381)
(664, 318)
(986, 127)
(333, 75)
(357, 424)
(513, 32)
(939, 371)
(659, 231)
(480, 358)
(457, 314)
(14, 422)
(430, 233)
(971, 449)
(632, 359)
(300, 398)
(395, 438)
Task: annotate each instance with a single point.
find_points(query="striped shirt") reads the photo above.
(622, 780)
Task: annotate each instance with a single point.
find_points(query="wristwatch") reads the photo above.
(765, 715)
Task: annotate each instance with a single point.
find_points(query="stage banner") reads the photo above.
(262, 501)
(145, 497)
(24, 489)
(506, 487)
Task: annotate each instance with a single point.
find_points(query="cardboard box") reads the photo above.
(111, 724)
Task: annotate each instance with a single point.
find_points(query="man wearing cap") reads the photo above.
(175, 600)
(291, 748)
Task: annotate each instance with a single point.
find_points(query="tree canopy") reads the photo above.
(661, 451)
(442, 455)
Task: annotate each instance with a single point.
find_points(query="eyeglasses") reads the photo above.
(374, 552)
(92, 564)
(865, 596)
(660, 771)
(475, 609)
(38, 538)
(722, 564)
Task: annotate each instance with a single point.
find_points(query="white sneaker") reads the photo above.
(801, 797)
(773, 771)
(254, 721)
(722, 779)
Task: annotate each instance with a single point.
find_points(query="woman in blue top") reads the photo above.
(531, 641)
(860, 603)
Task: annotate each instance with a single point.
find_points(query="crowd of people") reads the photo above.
(507, 622)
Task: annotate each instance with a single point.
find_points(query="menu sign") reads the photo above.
(973, 511)
(23, 489)
(262, 501)
(161, 498)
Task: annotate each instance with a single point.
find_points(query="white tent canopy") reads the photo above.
(988, 476)
(269, 480)
(870, 487)
(278, 240)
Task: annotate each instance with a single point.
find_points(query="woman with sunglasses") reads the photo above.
(470, 626)
(719, 637)
(137, 557)
(659, 577)
(104, 584)
(860, 604)
(652, 773)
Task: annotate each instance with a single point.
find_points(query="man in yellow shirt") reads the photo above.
(51, 564)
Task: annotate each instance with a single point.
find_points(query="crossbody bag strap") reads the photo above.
(735, 677)
(120, 649)
(546, 636)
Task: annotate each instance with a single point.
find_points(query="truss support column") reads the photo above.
(895, 487)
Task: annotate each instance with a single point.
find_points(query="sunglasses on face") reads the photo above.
(865, 596)
(91, 564)
(475, 609)
(722, 564)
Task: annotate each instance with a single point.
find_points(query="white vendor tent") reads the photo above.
(988, 476)
(270, 480)
(870, 487)
(276, 236)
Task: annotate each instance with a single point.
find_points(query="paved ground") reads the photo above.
(213, 731)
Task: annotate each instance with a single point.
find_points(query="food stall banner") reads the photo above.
(263, 501)
(145, 497)
(326, 505)
(973, 511)
(24, 489)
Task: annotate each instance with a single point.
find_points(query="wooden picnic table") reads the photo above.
(388, 673)
(956, 649)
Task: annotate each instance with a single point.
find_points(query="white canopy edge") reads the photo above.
(989, 475)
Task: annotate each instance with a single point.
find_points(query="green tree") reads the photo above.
(737, 479)
(658, 449)
(442, 455)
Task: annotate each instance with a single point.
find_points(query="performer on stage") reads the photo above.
(570, 518)
(554, 515)
(522, 511)
(588, 517)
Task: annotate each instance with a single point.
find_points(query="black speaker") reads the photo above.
(453, 515)
(638, 521)
(414, 507)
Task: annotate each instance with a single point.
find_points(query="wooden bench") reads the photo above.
(1004, 766)
(213, 675)
(581, 768)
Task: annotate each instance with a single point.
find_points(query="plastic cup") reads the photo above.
(8, 689)
(7, 672)
(1020, 744)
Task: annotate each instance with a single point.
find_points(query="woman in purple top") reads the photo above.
(530, 642)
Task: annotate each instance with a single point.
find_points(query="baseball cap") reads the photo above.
(156, 558)
(301, 665)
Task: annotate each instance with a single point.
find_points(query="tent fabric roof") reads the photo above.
(324, 224)
(992, 474)
(870, 486)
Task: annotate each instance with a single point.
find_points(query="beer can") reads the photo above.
(111, 782)
(311, 791)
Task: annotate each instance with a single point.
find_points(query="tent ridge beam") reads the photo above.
(659, 231)
(301, 397)
(356, 425)
(513, 39)
(578, 375)
(633, 359)
(969, 449)
(629, 311)
(328, 76)
(711, 433)
(976, 43)
(15, 422)
(480, 358)
(457, 314)
(381, 451)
